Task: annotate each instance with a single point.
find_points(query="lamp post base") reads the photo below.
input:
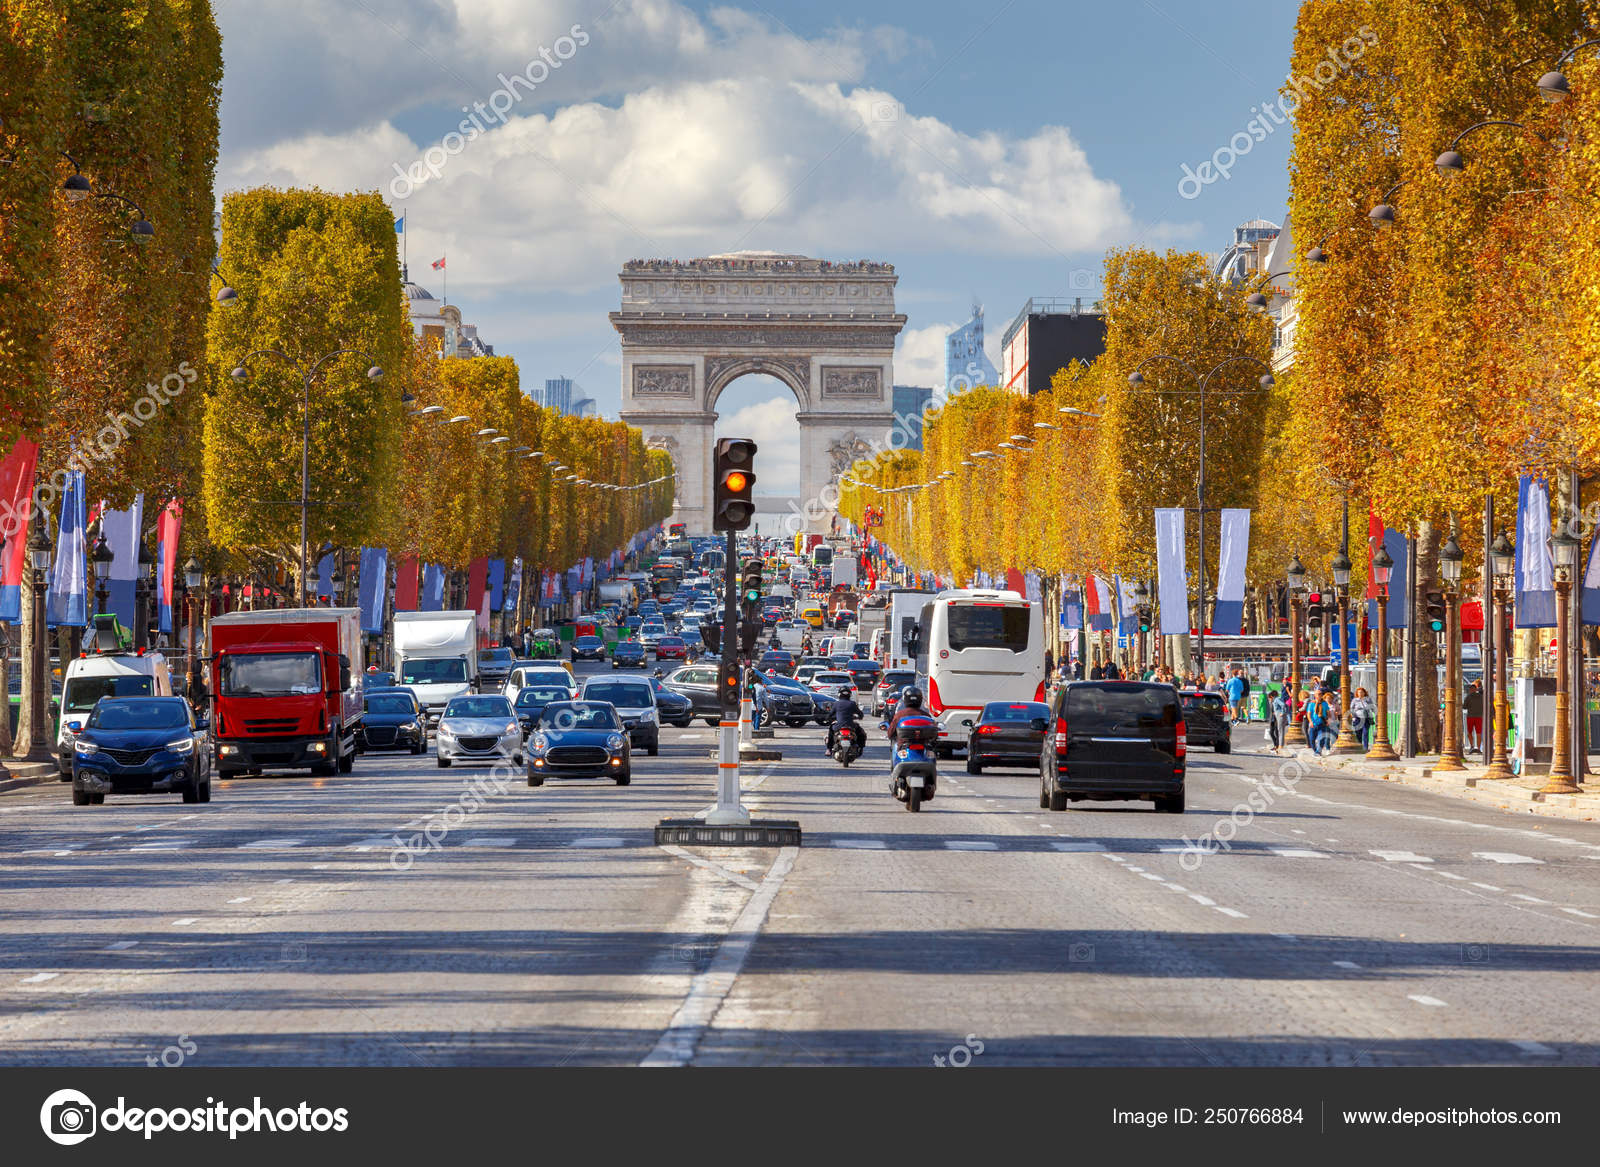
(1382, 752)
(1347, 743)
(1295, 735)
(1560, 784)
(1447, 763)
(1500, 769)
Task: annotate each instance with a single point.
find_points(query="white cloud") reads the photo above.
(919, 355)
(771, 424)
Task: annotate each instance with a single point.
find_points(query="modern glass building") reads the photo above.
(965, 362)
(909, 403)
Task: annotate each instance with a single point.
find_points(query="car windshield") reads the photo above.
(672, 642)
(898, 677)
(158, 713)
(270, 674)
(833, 679)
(1095, 707)
(478, 707)
(540, 695)
(988, 626)
(433, 672)
(629, 695)
(588, 641)
(390, 703)
(83, 692)
(1013, 711)
(1205, 702)
(494, 656)
(577, 715)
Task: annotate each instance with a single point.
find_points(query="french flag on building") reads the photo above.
(1098, 597)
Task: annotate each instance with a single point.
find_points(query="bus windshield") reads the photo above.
(987, 626)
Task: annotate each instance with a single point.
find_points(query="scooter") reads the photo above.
(914, 778)
(848, 744)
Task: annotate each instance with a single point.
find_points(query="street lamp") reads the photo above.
(1346, 742)
(1141, 605)
(38, 736)
(192, 577)
(101, 557)
(1294, 733)
(143, 593)
(1450, 557)
(1382, 569)
(1565, 546)
(241, 374)
(1504, 557)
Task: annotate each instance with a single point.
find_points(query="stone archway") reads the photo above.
(690, 328)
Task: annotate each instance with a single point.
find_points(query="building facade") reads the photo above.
(965, 362)
(910, 405)
(442, 322)
(1048, 335)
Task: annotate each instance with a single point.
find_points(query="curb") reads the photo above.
(1470, 786)
(27, 774)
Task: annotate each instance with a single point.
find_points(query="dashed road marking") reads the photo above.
(120, 946)
(1237, 915)
(490, 841)
(861, 844)
(1077, 845)
(1151, 875)
(1516, 895)
(270, 844)
(40, 978)
(1580, 912)
(1535, 1049)
(1401, 857)
(241, 899)
(1424, 999)
(1297, 853)
(600, 842)
(1346, 964)
(1505, 857)
(1202, 900)
(185, 921)
(1450, 875)
(970, 845)
(1487, 886)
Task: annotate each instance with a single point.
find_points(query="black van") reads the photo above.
(1113, 740)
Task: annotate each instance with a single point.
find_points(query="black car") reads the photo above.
(530, 702)
(777, 660)
(673, 708)
(788, 701)
(627, 654)
(141, 745)
(864, 671)
(394, 720)
(588, 648)
(1008, 733)
(888, 687)
(1114, 740)
(1206, 715)
(697, 682)
(579, 739)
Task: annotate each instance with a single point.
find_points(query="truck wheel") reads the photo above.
(347, 762)
(712, 722)
(444, 763)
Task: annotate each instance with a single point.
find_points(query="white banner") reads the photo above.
(1227, 618)
(1172, 586)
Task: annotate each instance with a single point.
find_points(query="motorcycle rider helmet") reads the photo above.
(911, 699)
(845, 692)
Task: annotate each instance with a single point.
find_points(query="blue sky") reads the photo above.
(1023, 139)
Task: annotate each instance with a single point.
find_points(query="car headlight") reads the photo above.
(84, 747)
(182, 746)
(513, 728)
(540, 742)
(648, 717)
(615, 741)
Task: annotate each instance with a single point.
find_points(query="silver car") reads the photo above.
(478, 728)
(635, 702)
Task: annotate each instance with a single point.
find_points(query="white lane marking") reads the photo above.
(287, 879)
(1175, 887)
(1580, 912)
(1297, 853)
(1535, 1049)
(1517, 895)
(1449, 875)
(1401, 857)
(39, 978)
(719, 869)
(1131, 867)
(1231, 912)
(1076, 845)
(241, 899)
(709, 989)
(489, 841)
(1424, 999)
(270, 844)
(1487, 886)
(599, 841)
(1295, 831)
(1286, 936)
(1202, 900)
(1177, 848)
(163, 845)
(1117, 859)
(861, 844)
(970, 845)
(186, 921)
(120, 946)
(1349, 964)
(1505, 857)
(1151, 875)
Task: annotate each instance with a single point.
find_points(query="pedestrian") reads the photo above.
(1096, 673)
(1277, 720)
(1112, 671)
(1244, 694)
(1320, 731)
(1235, 693)
(1474, 709)
(1049, 663)
(1362, 715)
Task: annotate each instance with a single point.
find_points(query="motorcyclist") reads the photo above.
(910, 706)
(845, 712)
(659, 674)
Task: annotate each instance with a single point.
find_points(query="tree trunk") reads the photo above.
(1425, 698)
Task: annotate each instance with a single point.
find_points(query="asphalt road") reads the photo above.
(1344, 922)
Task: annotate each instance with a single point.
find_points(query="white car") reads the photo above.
(543, 674)
(827, 681)
(650, 633)
(478, 728)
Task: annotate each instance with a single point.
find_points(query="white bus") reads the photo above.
(977, 647)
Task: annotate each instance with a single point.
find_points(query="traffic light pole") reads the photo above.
(729, 811)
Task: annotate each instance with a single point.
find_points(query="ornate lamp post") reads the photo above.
(192, 576)
(1450, 557)
(1565, 545)
(144, 595)
(101, 557)
(1382, 567)
(1347, 742)
(38, 743)
(1505, 565)
(1294, 734)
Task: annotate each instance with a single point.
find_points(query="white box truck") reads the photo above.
(436, 656)
(905, 613)
(620, 592)
(844, 571)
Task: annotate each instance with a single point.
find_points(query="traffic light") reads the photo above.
(728, 685)
(1434, 604)
(733, 484)
(750, 585)
(1314, 610)
(1144, 617)
(711, 634)
(749, 636)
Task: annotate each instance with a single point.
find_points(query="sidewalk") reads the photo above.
(1517, 795)
(20, 775)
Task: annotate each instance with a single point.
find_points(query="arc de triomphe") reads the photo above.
(826, 330)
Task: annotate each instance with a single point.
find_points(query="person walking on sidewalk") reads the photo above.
(1362, 715)
(1235, 689)
(1277, 719)
(1474, 710)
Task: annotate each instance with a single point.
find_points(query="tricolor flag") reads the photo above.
(400, 225)
(438, 264)
(1098, 596)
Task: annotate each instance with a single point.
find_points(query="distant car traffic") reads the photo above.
(588, 648)
(494, 666)
(671, 648)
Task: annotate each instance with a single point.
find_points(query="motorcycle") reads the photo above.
(848, 744)
(914, 778)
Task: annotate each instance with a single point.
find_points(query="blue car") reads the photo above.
(579, 739)
(141, 745)
(627, 654)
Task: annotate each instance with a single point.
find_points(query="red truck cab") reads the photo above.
(283, 690)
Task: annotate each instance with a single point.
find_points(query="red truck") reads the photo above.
(284, 694)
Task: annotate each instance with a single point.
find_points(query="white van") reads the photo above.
(97, 675)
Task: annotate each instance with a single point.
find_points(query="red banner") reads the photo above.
(405, 584)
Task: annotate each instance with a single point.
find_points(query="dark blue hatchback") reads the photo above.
(141, 745)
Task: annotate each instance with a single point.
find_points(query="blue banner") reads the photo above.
(1536, 578)
(1591, 586)
(497, 584)
(325, 567)
(66, 599)
(374, 587)
(1395, 611)
(432, 599)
